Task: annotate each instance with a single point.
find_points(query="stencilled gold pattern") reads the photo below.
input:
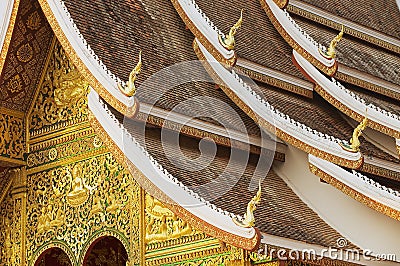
(62, 95)
(12, 136)
(28, 47)
(111, 201)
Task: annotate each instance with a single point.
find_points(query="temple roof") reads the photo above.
(380, 15)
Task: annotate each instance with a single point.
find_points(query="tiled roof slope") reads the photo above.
(376, 99)
(257, 39)
(355, 53)
(280, 213)
(117, 32)
(320, 115)
(381, 15)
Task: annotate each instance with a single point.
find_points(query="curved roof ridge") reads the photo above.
(6, 29)
(297, 38)
(155, 178)
(295, 133)
(84, 58)
(204, 29)
(358, 186)
(349, 102)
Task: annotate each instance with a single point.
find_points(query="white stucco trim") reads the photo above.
(359, 224)
(359, 183)
(6, 7)
(204, 25)
(157, 175)
(348, 98)
(99, 71)
(298, 34)
(275, 117)
(305, 249)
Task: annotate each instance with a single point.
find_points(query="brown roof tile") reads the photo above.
(381, 15)
(280, 213)
(355, 53)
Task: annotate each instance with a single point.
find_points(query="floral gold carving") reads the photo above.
(12, 136)
(69, 87)
(62, 95)
(103, 196)
(25, 53)
(34, 21)
(162, 224)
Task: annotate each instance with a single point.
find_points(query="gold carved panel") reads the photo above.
(11, 136)
(75, 202)
(61, 100)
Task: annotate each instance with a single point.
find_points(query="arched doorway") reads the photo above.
(53, 257)
(106, 251)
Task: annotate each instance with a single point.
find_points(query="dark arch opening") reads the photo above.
(53, 257)
(106, 251)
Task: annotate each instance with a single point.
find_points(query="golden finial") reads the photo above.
(331, 53)
(228, 41)
(249, 220)
(129, 89)
(354, 141)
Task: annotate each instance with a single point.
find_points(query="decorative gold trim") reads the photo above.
(13, 162)
(204, 41)
(245, 243)
(11, 112)
(76, 60)
(271, 128)
(200, 134)
(282, 4)
(53, 244)
(6, 190)
(398, 149)
(330, 71)
(334, 25)
(380, 171)
(275, 82)
(366, 85)
(196, 252)
(7, 39)
(392, 213)
(356, 116)
(77, 158)
(45, 134)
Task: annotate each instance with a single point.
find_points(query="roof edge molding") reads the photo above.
(84, 58)
(155, 179)
(281, 3)
(9, 15)
(368, 81)
(274, 121)
(275, 78)
(348, 102)
(358, 186)
(204, 30)
(297, 38)
(359, 31)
